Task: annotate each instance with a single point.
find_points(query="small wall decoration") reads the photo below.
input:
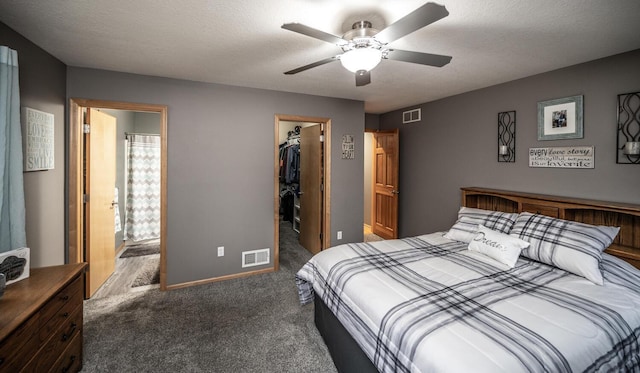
(628, 140)
(39, 141)
(560, 118)
(562, 157)
(507, 136)
(348, 147)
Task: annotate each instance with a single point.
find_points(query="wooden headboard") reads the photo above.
(626, 216)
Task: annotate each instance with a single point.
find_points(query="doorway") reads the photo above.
(308, 186)
(80, 240)
(381, 169)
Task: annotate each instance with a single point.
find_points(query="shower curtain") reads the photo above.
(12, 208)
(142, 213)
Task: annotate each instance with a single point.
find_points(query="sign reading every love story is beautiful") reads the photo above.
(562, 157)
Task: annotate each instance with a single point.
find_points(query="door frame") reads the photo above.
(371, 181)
(326, 176)
(76, 157)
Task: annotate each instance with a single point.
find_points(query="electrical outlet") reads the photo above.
(220, 250)
(339, 235)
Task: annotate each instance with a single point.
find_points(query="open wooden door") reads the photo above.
(100, 181)
(384, 205)
(311, 188)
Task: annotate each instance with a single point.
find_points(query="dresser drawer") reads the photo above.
(59, 308)
(60, 341)
(25, 337)
(40, 318)
(540, 209)
(71, 358)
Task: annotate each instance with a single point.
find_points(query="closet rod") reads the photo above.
(142, 134)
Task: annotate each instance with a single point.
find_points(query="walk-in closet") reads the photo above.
(298, 140)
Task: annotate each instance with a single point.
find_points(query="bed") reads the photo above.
(430, 304)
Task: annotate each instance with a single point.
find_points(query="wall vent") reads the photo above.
(411, 116)
(255, 257)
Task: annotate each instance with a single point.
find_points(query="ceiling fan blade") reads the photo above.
(363, 78)
(436, 60)
(419, 18)
(312, 65)
(314, 33)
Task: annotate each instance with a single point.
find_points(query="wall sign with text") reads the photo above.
(348, 147)
(562, 157)
(38, 140)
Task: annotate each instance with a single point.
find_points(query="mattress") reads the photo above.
(427, 304)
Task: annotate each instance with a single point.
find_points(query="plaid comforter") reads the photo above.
(427, 304)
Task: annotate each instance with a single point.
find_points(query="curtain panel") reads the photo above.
(12, 208)
(142, 214)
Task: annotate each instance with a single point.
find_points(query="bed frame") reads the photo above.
(347, 355)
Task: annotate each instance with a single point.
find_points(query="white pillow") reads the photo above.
(499, 246)
(569, 245)
(464, 230)
(466, 227)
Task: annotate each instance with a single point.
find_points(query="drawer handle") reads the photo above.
(65, 298)
(71, 360)
(65, 315)
(67, 336)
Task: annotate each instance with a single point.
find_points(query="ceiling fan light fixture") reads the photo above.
(359, 59)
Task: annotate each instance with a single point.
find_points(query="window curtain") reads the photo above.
(12, 210)
(143, 187)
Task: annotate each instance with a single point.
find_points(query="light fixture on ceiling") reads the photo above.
(363, 46)
(361, 59)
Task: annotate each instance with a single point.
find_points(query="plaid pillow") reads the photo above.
(466, 228)
(572, 246)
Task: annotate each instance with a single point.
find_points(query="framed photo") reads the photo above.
(560, 118)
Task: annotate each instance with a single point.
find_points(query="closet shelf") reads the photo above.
(296, 213)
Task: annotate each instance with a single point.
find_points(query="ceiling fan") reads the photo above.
(364, 47)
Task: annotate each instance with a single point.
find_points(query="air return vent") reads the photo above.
(411, 115)
(255, 257)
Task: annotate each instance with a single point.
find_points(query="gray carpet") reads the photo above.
(254, 324)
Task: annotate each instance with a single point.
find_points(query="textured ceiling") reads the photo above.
(240, 42)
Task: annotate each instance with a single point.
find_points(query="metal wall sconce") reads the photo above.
(507, 136)
(628, 138)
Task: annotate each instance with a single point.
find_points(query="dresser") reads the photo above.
(41, 321)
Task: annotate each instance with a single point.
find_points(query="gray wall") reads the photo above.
(220, 164)
(148, 123)
(455, 144)
(372, 121)
(43, 87)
